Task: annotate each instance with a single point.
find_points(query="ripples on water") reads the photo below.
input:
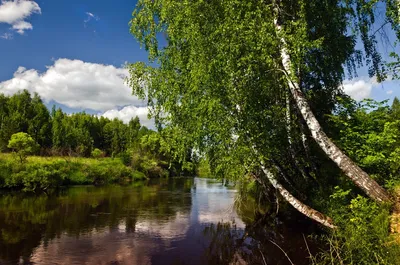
(175, 221)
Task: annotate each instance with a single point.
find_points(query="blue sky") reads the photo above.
(64, 49)
(60, 32)
(72, 52)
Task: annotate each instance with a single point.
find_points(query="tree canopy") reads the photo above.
(252, 81)
(23, 144)
(221, 73)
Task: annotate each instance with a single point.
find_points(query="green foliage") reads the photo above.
(84, 135)
(74, 134)
(219, 82)
(149, 166)
(362, 236)
(203, 169)
(369, 133)
(137, 175)
(97, 153)
(41, 174)
(125, 157)
(37, 178)
(23, 113)
(23, 144)
(220, 72)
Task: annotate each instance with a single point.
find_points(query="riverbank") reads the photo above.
(43, 173)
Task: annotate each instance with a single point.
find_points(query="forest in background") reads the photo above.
(59, 133)
(65, 143)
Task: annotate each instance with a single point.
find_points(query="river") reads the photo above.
(168, 221)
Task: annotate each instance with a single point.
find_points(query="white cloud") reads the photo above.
(89, 17)
(21, 26)
(129, 112)
(358, 89)
(389, 92)
(82, 85)
(16, 11)
(6, 36)
(76, 84)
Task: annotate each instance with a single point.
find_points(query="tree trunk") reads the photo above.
(304, 140)
(354, 172)
(298, 205)
(289, 133)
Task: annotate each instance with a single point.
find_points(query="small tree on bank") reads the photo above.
(22, 144)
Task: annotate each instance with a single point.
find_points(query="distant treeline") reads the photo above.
(59, 133)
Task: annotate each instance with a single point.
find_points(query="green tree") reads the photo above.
(395, 109)
(4, 122)
(58, 130)
(23, 144)
(230, 72)
(133, 131)
(116, 136)
(39, 126)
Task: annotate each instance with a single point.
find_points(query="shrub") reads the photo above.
(97, 153)
(125, 158)
(362, 236)
(136, 175)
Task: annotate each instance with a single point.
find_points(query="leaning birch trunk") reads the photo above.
(354, 172)
(298, 205)
(304, 140)
(289, 136)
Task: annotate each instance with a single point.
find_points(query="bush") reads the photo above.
(35, 177)
(97, 153)
(149, 166)
(125, 158)
(136, 175)
(43, 173)
(362, 236)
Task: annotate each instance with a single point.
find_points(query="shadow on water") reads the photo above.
(175, 221)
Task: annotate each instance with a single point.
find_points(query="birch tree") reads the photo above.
(224, 70)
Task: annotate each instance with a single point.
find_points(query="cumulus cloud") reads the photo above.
(15, 12)
(358, 89)
(76, 84)
(129, 112)
(82, 85)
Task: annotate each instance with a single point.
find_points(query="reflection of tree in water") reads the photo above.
(266, 238)
(259, 244)
(225, 245)
(26, 221)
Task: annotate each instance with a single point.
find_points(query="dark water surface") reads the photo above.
(175, 221)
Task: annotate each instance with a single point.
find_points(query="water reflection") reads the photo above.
(176, 221)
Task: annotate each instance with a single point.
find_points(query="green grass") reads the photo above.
(42, 173)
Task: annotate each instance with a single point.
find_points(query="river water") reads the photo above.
(174, 221)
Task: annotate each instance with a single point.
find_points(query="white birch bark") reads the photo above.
(289, 136)
(298, 205)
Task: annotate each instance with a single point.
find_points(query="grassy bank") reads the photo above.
(42, 173)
